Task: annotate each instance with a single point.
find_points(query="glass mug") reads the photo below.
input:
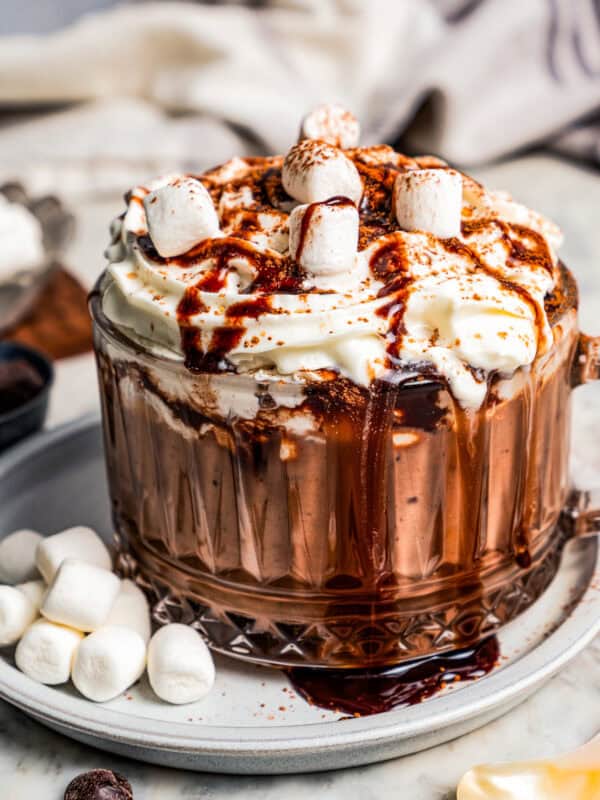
(324, 525)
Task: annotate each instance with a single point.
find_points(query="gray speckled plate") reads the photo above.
(253, 722)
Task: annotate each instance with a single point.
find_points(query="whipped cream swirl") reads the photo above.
(461, 307)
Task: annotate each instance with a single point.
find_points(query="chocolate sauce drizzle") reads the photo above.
(389, 263)
(278, 274)
(272, 274)
(360, 693)
(539, 255)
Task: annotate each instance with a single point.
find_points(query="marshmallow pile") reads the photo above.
(178, 212)
(71, 617)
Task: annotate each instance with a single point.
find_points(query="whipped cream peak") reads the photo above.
(360, 260)
(332, 124)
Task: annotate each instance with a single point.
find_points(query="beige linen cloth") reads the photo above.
(148, 88)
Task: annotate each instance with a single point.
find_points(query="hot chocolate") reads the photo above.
(336, 401)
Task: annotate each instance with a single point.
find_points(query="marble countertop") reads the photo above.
(37, 764)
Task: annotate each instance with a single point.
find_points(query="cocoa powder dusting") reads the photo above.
(454, 245)
(275, 273)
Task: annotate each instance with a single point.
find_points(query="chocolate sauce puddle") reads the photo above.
(372, 691)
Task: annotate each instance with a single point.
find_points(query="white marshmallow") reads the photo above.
(17, 612)
(180, 215)
(429, 200)
(180, 666)
(46, 652)
(332, 124)
(108, 662)
(314, 171)
(35, 591)
(17, 557)
(79, 542)
(81, 595)
(131, 610)
(330, 240)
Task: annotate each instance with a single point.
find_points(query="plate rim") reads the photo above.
(493, 691)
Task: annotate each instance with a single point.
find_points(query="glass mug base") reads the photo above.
(284, 630)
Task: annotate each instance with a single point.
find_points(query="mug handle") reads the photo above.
(582, 512)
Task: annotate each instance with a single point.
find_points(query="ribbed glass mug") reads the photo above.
(321, 524)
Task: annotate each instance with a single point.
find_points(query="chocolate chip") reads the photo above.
(99, 784)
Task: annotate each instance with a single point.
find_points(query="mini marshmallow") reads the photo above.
(180, 215)
(81, 595)
(46, 652)
(131, 610)
(180, 666)
(108, 662)
(17, 557)
(17, 612)
(326, 242)
(332, 124)
(35, 591)
(429, 200)
(314, 171)
(81, 543)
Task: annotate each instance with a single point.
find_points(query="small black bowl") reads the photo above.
(29, 415)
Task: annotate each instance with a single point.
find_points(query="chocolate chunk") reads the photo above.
(99, 784)
(19, 382)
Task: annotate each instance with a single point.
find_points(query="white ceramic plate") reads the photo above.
(253, 722)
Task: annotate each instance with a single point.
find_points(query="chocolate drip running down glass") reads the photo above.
(336, 393)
